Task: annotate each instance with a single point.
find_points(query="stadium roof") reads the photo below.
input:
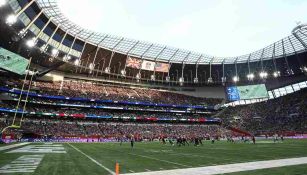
(293, 44)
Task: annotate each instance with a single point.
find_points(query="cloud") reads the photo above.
(180, 27)
(219, 28)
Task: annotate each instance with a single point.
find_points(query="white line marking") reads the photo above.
(93, 160)
(48, 143)
(13, 146)
(147, 170)
(131, 171)
(161, 160)
(40, 149)
(230, 168)
(24, 164)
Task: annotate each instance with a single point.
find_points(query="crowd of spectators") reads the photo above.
(93, 104)
(65, 128)
(94, 90)
(284, 114)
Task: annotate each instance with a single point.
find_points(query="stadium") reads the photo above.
(75, 101)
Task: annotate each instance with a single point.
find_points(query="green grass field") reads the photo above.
(156, 157)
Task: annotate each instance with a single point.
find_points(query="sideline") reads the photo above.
(230, 168)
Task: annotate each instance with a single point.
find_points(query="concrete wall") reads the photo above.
(52, 77)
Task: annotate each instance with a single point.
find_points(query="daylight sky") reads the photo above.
(214, 27)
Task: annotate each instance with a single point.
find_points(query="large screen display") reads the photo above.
(12, 62)
(248, 92)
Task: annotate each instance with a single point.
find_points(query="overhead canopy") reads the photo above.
(295, 43)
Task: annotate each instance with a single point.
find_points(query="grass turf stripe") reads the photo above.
(13, 146)
(93, 160)
(231, 168)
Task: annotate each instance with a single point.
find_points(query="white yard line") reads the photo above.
(2, 148)
(93, 160)
(230, 168)
(56, 148)
(24, 164)
(161, 160)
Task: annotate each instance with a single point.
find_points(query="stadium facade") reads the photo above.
(63, 83)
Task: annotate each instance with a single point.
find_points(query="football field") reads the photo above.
(266, 157)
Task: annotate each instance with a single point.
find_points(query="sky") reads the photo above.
(223, 28)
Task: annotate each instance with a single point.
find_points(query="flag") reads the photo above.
(133, 63)
(162, 67)
(148, 65)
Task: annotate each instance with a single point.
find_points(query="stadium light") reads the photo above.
(55, 52)
(250, 76)
(195, 80)
(223, 79)
(43, 48)
(263, 74)
(66, 58)
(167, 78)
(22, 33)
(91, 66)
(304, 69)
(123, 72)
(107, 70)
(210, 80)
(2, 3)
(77, 62)
(290, 72)
(138, 77)
(152, 77)
(235, 79)
(11, 19)
(181, 79)
(31, 42)
(276, 74)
